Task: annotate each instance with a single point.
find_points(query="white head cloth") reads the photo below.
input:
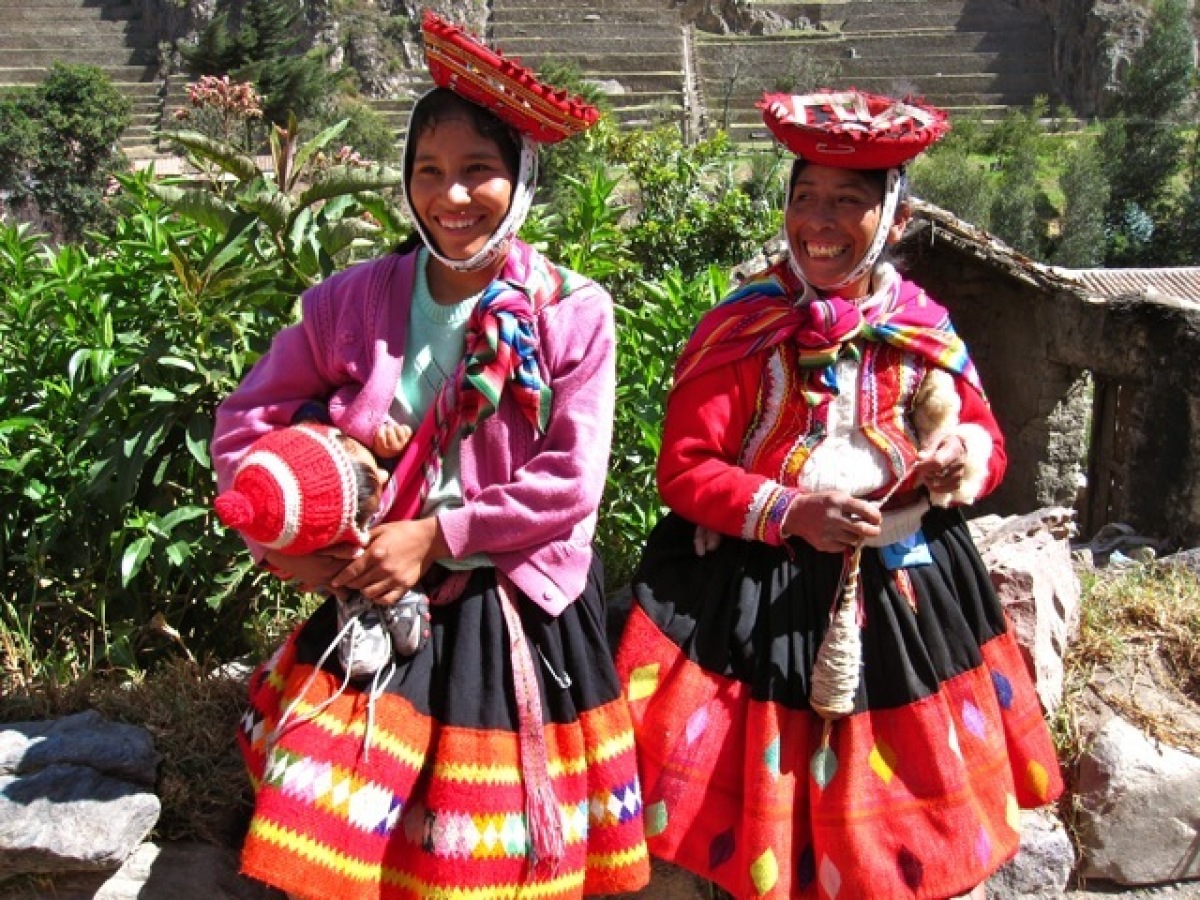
(518, 209)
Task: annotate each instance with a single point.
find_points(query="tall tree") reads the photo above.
(951, 176)
(267, 49)
(1019, 202)
(1086, 192)
(1142, 144)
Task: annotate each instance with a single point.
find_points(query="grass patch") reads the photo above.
(1141, 620)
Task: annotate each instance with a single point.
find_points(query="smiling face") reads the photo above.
(460, 185)
(831, 219)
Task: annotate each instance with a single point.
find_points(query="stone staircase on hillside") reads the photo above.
(103, 33)
(633, 52)
(967, 56)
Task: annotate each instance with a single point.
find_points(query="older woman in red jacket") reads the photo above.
(827, 698)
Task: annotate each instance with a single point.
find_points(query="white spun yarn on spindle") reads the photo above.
(836, 670)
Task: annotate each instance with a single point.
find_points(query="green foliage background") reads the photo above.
(114, 353)
(122, 329)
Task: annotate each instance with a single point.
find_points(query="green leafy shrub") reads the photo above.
(951, 178)
(1143, 142)
(690, 210)
(312, 213)
(654, 319)
(115, 358)
(59, 146)
(113, 367)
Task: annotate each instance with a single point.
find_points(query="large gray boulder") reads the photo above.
(76, 794)
(71, 818)
(1139, 808)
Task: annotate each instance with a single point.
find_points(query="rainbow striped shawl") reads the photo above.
(502, 354)
(771, 309)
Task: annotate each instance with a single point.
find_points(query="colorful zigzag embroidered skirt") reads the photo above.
(915, 795)
(429, 800)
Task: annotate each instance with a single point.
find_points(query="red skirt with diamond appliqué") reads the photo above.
(915, 795)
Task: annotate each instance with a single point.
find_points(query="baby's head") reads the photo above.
(303, 488)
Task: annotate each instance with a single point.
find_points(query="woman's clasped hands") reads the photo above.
(394, 560)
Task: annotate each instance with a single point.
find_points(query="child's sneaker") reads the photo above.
(408, 622)
(365, 646)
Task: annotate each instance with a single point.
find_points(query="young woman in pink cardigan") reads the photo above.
(500, 755)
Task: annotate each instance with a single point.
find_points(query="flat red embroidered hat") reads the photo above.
(461, 63)
(295, 491)
(852, 129)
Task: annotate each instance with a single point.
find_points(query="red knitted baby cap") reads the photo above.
(295, 492)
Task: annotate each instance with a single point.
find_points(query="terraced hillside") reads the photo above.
(633, 50)
(964, 55)
(981, 55)
(104, 33)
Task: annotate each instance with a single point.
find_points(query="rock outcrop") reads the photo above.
(1139, 821)
(76, 794)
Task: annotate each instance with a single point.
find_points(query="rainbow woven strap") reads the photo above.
(502, 350)
(461, 63)
(502, 353)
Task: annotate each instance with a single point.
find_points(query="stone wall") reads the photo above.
(1034, 336)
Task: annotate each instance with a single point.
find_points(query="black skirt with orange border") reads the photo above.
(916, 794)
(418, 793)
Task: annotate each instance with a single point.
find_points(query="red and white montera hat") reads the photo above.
(853, 129)
(295, 492)
(471, 69)
(538, 112)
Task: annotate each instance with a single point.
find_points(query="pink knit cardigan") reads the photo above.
(530, 501)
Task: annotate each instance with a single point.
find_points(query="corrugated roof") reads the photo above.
(1178, 283)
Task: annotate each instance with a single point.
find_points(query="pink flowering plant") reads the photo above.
(229, 111)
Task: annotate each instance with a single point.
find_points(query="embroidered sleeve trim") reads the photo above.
(764, 519)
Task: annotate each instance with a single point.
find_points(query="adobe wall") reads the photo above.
(1032, 343)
